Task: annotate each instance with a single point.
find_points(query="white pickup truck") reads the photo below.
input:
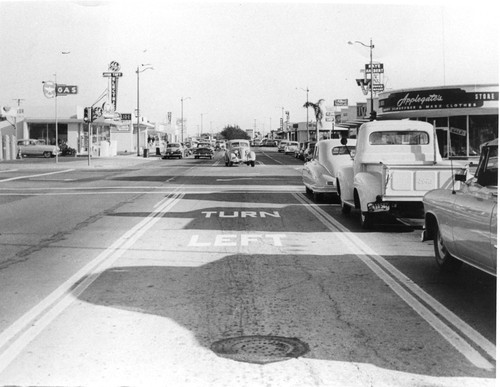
(395, 163)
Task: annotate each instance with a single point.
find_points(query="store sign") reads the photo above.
(360, 110)
(459, 132)
(340, 102)
(455, 98)
(66, 89)
(377, 68)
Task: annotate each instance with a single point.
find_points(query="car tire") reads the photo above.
(47, 154)
(308, 190)
(252, 163)
(444, 260)
(366, 220)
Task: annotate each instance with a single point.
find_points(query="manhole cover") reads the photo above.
(260, 349)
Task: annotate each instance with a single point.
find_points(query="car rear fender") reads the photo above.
(368, 186)
(345, 177)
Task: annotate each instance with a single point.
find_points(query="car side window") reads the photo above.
(487, 171)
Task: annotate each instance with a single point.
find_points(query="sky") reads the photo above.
(238, 63)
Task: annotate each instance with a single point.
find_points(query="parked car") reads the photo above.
(299, 152)
(203, 150)
(269, 143)
(463, 222)
(309, 150)
(238, 152)
(291, 147)
(320, 174)
(175, 149)
(32, 147)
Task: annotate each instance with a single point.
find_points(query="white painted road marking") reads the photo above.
(234, 240)
(375, 262)
(17, 336)
(37, 175)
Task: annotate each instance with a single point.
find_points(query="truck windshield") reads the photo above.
(399, 138)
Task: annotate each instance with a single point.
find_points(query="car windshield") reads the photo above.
(239, 144)
(343, 150)
(173, 145)
(409, 137)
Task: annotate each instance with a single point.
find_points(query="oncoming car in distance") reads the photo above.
(463, 222)
(203, 150)
(175, 149)
(238, 152)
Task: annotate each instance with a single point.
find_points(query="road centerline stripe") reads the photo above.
(25, 329)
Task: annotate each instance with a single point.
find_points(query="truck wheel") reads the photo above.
(444, 260)
(230, 163)
(365, 220)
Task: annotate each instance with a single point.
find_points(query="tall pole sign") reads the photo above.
(113, 74)
(53, 90)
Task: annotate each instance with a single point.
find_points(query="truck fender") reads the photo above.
(345, 177)
(368, 186)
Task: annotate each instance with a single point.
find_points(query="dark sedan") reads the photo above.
(203, 151)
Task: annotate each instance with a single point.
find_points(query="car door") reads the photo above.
(476, 213)
(29, 148)
(474, 210)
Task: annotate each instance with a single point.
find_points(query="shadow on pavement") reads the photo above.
(333, 303)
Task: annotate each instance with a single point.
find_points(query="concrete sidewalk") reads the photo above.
(80, 162)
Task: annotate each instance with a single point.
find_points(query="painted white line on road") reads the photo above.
(9, 170)
(17, 336)
(226, 189)
(370, 257)
(37, 175)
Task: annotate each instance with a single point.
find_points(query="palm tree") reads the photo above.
(318, 112)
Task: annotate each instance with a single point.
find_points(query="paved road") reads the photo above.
(131, 271)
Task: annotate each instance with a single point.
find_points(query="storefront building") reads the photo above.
(465, 116)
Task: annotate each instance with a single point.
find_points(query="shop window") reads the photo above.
(47, 132)
(481, 130)
(441, 125)
(458, 137)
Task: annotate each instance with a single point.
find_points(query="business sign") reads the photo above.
(340, 102)
(113, 74)
(329, 113)
(378, 87)
(377, 68)
(430, 99)
(66, 89)
(361, 110)
(126, 116)
(49, 89)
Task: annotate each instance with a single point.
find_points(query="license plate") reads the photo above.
(378, 207)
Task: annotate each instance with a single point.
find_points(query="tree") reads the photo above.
(234, 132)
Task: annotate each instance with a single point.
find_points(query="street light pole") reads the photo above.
(57, 131)
(201, 127)
(138, 71)
(182, 118)
(371, 47)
